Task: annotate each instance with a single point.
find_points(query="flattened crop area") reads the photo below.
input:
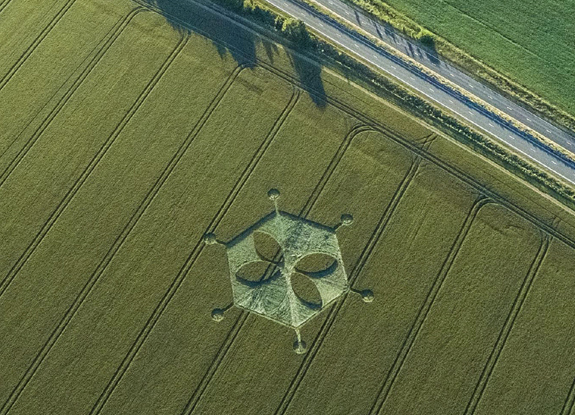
(125, 138)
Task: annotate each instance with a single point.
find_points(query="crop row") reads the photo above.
(126, 139)
(103, 275)
(45, 80)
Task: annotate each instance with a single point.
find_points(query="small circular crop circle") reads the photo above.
(299, 347)
(210, 238)
(273, 194)
(217, 314)
(346, 219)
(367, 296)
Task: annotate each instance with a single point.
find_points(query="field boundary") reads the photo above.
(438, 80)
(423, 312)
(178, 280)
(64, 204)
(244, 315)
(464, 177)
(358, 267)
(35, 43)
(472, 66)
(508, 326)
(454, 171)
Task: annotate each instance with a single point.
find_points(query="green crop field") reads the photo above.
(125, 137)
(529, 41)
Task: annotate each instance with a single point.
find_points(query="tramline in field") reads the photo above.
(115, 164)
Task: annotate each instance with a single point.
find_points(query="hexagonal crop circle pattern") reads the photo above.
(273, 295)
(286, 268)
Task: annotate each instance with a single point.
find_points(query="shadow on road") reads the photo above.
(241, 45)
(430, 49)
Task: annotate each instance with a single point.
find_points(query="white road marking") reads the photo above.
(570, 179)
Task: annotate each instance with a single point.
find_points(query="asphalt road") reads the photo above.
(434, 91)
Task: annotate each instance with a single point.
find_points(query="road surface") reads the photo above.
(433, 90)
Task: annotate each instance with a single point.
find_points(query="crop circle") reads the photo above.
(346, 219)
(217, 314)
(299, 347)
(367, 296)
(273, 194)
(210, 238)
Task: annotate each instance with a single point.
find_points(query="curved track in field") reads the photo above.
(459, 104)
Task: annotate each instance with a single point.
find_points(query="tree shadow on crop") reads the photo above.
(188, 17)
(309, 75)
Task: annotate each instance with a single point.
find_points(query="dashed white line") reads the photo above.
(512, 137)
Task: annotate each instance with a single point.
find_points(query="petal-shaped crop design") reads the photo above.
(306, 290)
(317, 265)
(255, 272)
(267, 247)
(286, 268)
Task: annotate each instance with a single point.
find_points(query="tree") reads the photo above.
(296, 31)
(427, 39)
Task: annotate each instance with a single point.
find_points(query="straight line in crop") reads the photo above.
(78, 183)
(177, 282)
(32, 47)
(364, 256)
(507, 327)
(107, 43)
(426, 306)
(56, 333)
